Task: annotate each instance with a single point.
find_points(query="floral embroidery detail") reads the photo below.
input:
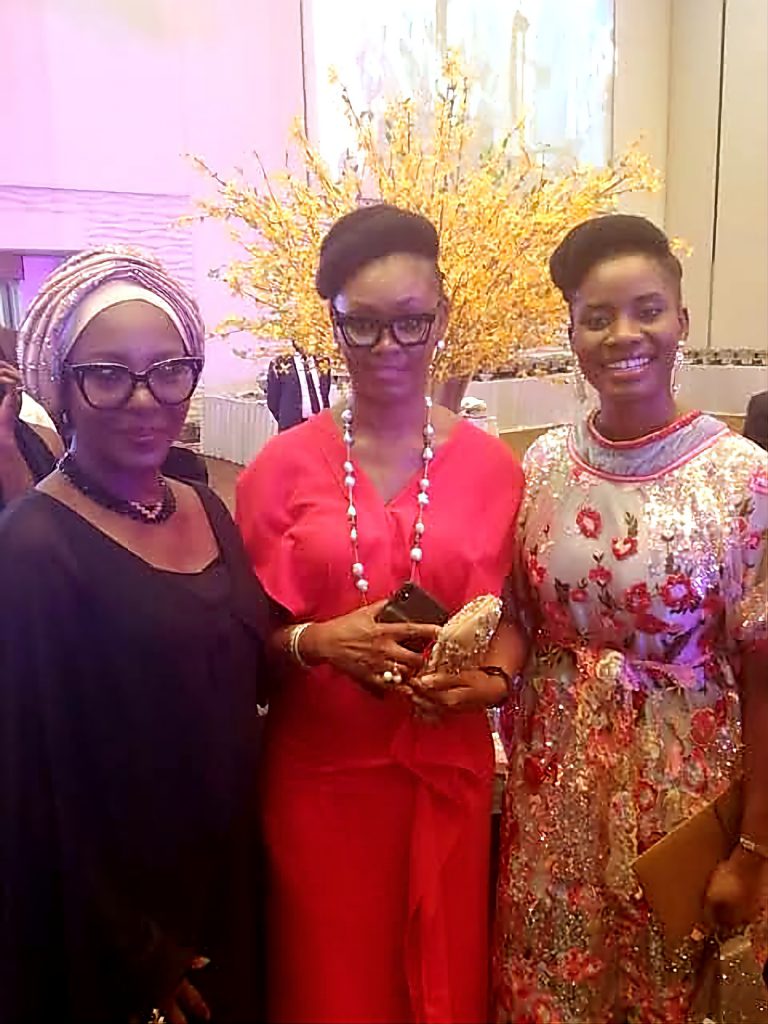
(536, 570)
(695, 771)
(600, 575)
(625, 547)
(741, 525)
(579, 595)
(589, 522)
(678, 594)
(637, 598)
(647, 623)
(534, 772)
(576, 966)
(703, 726)
(754, 540)
(645, 796)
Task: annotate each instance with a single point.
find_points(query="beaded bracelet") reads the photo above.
(752, 847)
(294, 638)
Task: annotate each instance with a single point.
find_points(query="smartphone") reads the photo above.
(413, 604)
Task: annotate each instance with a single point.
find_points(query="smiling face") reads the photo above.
(137, 436)
(627, 321)
(398, 286)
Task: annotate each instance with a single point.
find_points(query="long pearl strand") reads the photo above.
(419, 529)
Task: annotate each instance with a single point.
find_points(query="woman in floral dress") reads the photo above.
(643, 534)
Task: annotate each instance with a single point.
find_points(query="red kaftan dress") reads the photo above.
(377, 823)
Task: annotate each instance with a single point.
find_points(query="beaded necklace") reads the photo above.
(350, 480)
(152, 514)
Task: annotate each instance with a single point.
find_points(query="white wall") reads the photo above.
(641, 89)
(692, 148)
(740, 278)
(102, 99)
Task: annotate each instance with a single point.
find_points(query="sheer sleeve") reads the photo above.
(748, 611)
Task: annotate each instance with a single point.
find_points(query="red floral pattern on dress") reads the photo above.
(579, 595)
(703, 726)
(648, 623)
(601, 576)
(577, 966)
(536, 570)
(754, 540)
(678, 594)
(623, 547)
(637, 598)
(589, 522)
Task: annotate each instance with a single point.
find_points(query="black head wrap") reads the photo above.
(368, 234)
(602, 238)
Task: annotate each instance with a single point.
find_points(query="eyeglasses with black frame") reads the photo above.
(409, 330)
(109, 386)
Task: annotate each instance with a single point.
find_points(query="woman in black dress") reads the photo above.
(131, 677)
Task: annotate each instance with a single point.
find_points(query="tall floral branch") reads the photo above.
(500, 214)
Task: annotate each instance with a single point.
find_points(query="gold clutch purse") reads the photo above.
(675, 872)
(463, 641)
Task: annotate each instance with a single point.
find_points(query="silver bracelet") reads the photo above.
(294, 639)
(752, 847)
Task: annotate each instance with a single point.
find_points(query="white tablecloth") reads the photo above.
(235, 428)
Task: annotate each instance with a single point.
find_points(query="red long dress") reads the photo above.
(377, 823)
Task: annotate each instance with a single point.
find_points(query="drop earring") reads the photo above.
(579, 382)
(674, 382)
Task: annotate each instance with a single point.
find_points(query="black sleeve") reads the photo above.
(71, 946)
(756, 421)
(274, 386)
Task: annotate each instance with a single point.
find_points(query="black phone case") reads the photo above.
(413, 604)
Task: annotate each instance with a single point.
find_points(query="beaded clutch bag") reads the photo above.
(464, 639)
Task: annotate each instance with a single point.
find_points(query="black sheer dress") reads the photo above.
(131, 704)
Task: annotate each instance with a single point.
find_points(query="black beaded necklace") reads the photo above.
(154, 514)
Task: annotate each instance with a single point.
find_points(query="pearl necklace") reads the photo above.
(358, 569)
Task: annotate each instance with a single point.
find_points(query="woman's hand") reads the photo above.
(365, 649)
(185, 1005)
(738, 890)
(440, 692)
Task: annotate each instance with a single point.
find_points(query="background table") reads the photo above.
(235, 428)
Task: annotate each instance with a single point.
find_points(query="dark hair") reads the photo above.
(602, 238)
(367, 234)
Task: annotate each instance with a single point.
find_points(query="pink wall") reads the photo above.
(108, 97)
(36, 269)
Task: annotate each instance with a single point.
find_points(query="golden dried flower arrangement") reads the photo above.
(499, 215)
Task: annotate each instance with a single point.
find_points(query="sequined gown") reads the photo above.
(643, 563)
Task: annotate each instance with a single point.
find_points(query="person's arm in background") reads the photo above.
(274, 386)
(15, 475)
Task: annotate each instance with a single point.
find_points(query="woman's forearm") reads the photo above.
(508, 649)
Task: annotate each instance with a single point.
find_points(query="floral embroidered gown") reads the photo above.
(644, 562)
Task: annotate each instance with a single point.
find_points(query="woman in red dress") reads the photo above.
(377, 818)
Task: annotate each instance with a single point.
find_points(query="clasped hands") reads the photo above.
(373, 653)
